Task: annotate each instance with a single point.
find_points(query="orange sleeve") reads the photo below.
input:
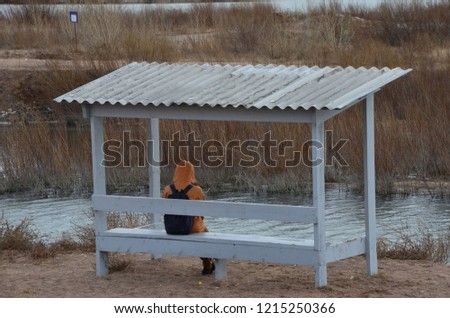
(166, 192)
(196, 193)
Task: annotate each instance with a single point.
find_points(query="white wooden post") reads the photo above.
(154, 160)
(99, 180)
(154, 177)
(318, 178)
(369, 186)
(221, 269)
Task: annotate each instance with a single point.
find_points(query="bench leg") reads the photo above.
(321, 275)
(221, 269)
(101, 259)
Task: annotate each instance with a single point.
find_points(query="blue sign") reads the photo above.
(73, 17)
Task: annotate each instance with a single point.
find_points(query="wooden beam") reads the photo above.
(98, 169)
(318, 174)
(154, 159)
(369, 186)
(345, 250)
(213, 245)
(154, 177)
(99, 180)
(286, 213)
(221, 268)
(186, 112)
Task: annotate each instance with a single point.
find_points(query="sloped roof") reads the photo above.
(283, 87)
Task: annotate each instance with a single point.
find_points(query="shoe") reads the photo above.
(209, 271)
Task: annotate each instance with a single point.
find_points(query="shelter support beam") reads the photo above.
(98, 169)
(318, 178)
(204, 113)
(154, 176)
(99, 180)
(154, 160)
(369, 186)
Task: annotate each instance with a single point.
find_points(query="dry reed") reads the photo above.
(409, 244)
(416, 244)
(20, 237)
(411, 117)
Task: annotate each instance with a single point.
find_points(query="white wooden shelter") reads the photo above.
(231, 93)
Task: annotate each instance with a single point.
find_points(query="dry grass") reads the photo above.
(411, 118)
(84, 235)
(413, 244)
(36, 155)
(22, 237)
(19, 237)
(410, 243)
(118, 262)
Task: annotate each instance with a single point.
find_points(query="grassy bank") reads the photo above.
(409, 245)
(411, 115)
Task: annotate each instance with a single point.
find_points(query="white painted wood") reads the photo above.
(336, 252)
(154, 159)
(221, 269)
(318, 177)
(369, 186)
(99, 185)
(325, 114)
(102, 263)
(86, 110)
(154, 169)
(213, 245)
(98, 169)
(186, 112)
(207, 208)
(244, 239)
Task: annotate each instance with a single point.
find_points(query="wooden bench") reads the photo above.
(221, 246)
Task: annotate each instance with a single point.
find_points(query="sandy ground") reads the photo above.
(20, 86)
(35, 60)
(73, 275)
(21, 83)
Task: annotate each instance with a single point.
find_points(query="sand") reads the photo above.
(73, 275)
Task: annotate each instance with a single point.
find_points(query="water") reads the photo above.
(282, 5)
(50, 217)
(344, 217)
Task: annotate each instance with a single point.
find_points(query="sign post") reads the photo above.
(74, 20)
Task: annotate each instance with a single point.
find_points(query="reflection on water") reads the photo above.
(344, 216)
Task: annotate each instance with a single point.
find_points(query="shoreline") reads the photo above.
(73, 275)
(424, 188)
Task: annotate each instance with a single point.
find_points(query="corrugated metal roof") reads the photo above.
(246, 86)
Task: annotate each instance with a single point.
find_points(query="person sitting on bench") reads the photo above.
(184, 182)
